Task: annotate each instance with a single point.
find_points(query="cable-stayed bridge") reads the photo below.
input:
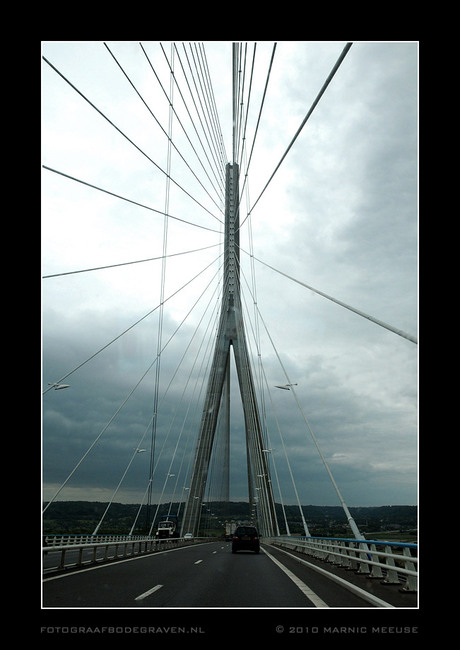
(174, 422)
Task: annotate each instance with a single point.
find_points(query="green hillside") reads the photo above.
(71, 517)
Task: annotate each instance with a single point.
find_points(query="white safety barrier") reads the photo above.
(71, 540)
(84, 550)
(390, 562)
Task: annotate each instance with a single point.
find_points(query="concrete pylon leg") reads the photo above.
(231, 333)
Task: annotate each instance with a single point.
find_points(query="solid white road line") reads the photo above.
(316, 600)
(104, 565)
(347, 585)
(147, 593)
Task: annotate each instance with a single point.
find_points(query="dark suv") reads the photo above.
(245, 538)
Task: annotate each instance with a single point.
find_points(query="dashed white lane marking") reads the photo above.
(198, 561)
(104, 565)
(309, 593)
(150, 591)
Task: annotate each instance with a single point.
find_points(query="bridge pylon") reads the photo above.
(231, 334)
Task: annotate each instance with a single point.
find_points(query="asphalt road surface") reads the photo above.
(199, 576)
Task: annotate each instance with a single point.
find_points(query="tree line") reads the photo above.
(73, 517)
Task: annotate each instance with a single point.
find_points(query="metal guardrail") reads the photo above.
(394, 563)
(71, 540)
(96, 549)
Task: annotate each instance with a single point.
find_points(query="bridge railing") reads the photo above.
(92, 549)
(394, 563)
(71, 540)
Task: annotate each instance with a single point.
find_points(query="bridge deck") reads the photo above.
(210, 576)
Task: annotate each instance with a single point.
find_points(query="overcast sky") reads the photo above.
(340, 215)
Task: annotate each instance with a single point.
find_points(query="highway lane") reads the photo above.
(201, 576)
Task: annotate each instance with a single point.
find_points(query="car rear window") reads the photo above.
(246, 530)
